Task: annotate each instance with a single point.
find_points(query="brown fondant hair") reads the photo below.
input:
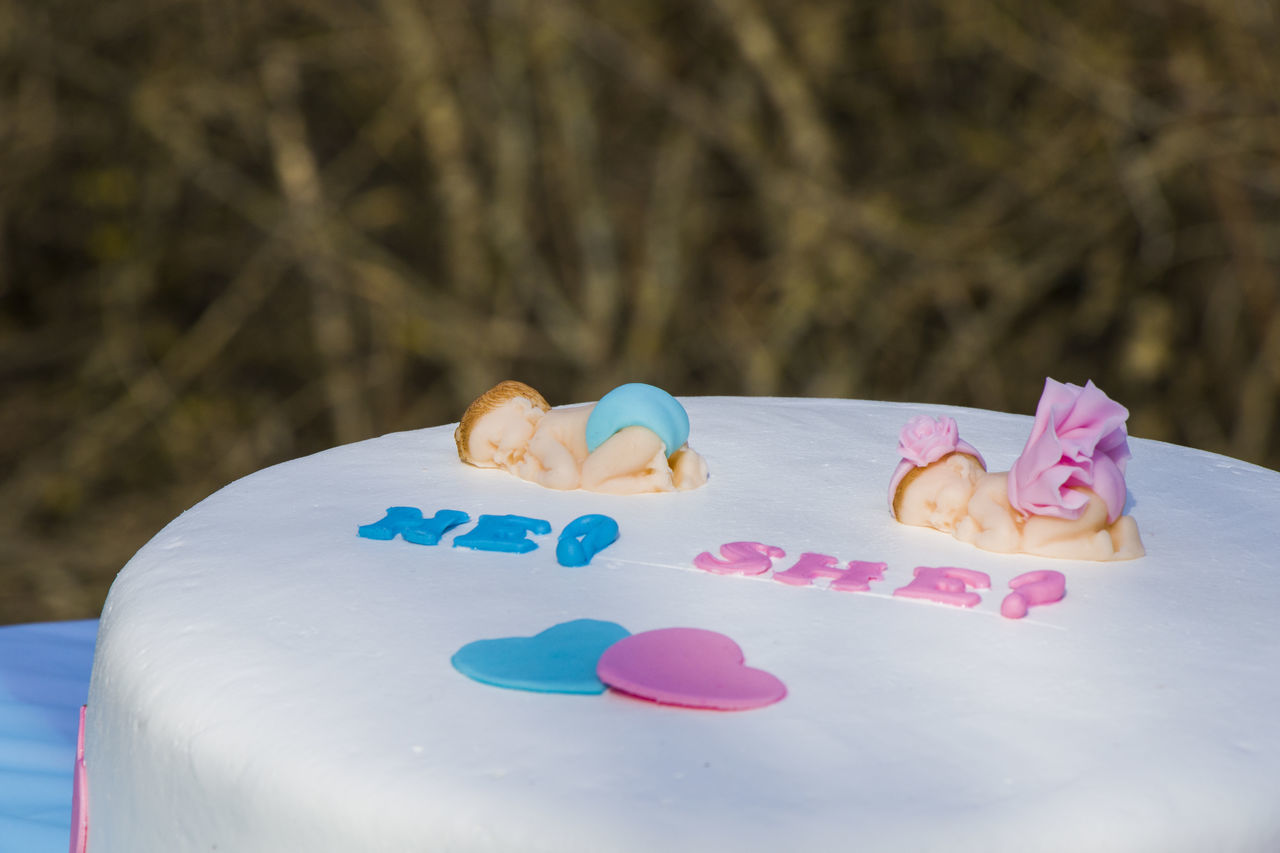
(499, 394)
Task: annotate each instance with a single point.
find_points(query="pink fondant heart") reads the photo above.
(689, 667)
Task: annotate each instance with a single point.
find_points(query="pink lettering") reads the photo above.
(855, 578)
(808, 567)
(740, 558)
(1041, 587)
(858, 576)
(946, 585)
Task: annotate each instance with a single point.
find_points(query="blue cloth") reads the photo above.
(637, 404)
(44, 679)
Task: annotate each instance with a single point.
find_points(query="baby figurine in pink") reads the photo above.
(634, 440)
(1063, 497)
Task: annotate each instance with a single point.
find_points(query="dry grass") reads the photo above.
(232, 232)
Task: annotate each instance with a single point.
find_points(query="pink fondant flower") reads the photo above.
(925, 440)
(1078, 440)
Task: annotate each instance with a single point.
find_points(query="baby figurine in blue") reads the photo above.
(634, 440)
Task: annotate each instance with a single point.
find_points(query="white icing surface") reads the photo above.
(266, 680)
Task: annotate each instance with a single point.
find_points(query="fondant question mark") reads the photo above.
(1040, 587)
(583, 538)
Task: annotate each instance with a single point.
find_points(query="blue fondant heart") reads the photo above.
(561, 659)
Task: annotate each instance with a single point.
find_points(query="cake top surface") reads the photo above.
(1142, 703)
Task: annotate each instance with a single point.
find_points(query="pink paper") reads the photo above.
(80, 797)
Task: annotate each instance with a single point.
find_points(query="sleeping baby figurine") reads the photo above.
(635, 439)
(1063, 497)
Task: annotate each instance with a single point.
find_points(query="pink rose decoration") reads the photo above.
(925, 440)
(1078, 440)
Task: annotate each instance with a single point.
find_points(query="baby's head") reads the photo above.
(937, 495)
(933, 483)
(496, 428)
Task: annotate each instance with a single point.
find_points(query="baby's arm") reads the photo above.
(991, 523)
(549, 463)
(557, 449)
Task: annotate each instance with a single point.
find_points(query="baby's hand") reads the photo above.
(967, 530)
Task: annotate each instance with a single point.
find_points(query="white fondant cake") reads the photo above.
(266, 680)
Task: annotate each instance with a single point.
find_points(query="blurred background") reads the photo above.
(233, 232)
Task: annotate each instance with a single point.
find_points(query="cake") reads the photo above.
(267, 678)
